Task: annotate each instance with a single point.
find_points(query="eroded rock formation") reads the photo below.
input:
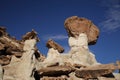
(53, 44)
(75, 25)
(22, 60)
(18, 58)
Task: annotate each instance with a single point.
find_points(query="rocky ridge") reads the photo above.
(21, 59)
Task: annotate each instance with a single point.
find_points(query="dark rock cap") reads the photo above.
(76, 25)
(53, 44)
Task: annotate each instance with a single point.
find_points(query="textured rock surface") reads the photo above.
(21, 68)
(53, 44)
(75, 25)
(118, 63)
(79, 52)
(4, 60)
(117, 76)
(95, 71)
(9, 46)
(104, 78)
(1, 73)
(55, 71)
(54, 78)
(30, 35)
(52, 57)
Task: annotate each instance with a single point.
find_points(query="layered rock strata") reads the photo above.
(18, 57)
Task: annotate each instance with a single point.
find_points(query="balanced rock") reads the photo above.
(75, 25)
(53, 55)
(82, 32)
(53, 44)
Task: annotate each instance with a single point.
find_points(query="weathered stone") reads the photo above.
(79, 66)
(53, 44)
(39, 56)
(2, 31)
(73, 77)
(105, 78)
(54, 78)
(1, 46)
(22, 68)
(117, 76)
(1, 73)
(5, 59)
(30, 35)
(55, 71)
(95, 71)
(79, 52)
(118, 63)
(75, 25)
(9, 45)
(52, 57)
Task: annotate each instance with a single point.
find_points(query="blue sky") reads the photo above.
(47, 18)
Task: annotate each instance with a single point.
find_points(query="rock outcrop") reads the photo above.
(53, 56)
(22, 68)
(95, 71)
(79, 52)
(53, 44)
(75, 25)
(22, 60)
(18, 58)
(1, 73)
(82, 32)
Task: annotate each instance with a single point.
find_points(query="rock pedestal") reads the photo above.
(79, 52)
(82, 32)
(76, 25)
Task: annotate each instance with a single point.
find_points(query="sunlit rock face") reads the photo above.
(1, 73)
(80, 41)
(22, 68)
(52, 57)
(79, 50)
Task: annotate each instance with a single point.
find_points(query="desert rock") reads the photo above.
(21, 68)
(95, 71)
(75, 25)
(53, 44)
(79, 52)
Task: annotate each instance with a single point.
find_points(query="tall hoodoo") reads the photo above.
(82, 32)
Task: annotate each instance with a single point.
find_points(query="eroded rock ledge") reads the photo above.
(22, 60)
